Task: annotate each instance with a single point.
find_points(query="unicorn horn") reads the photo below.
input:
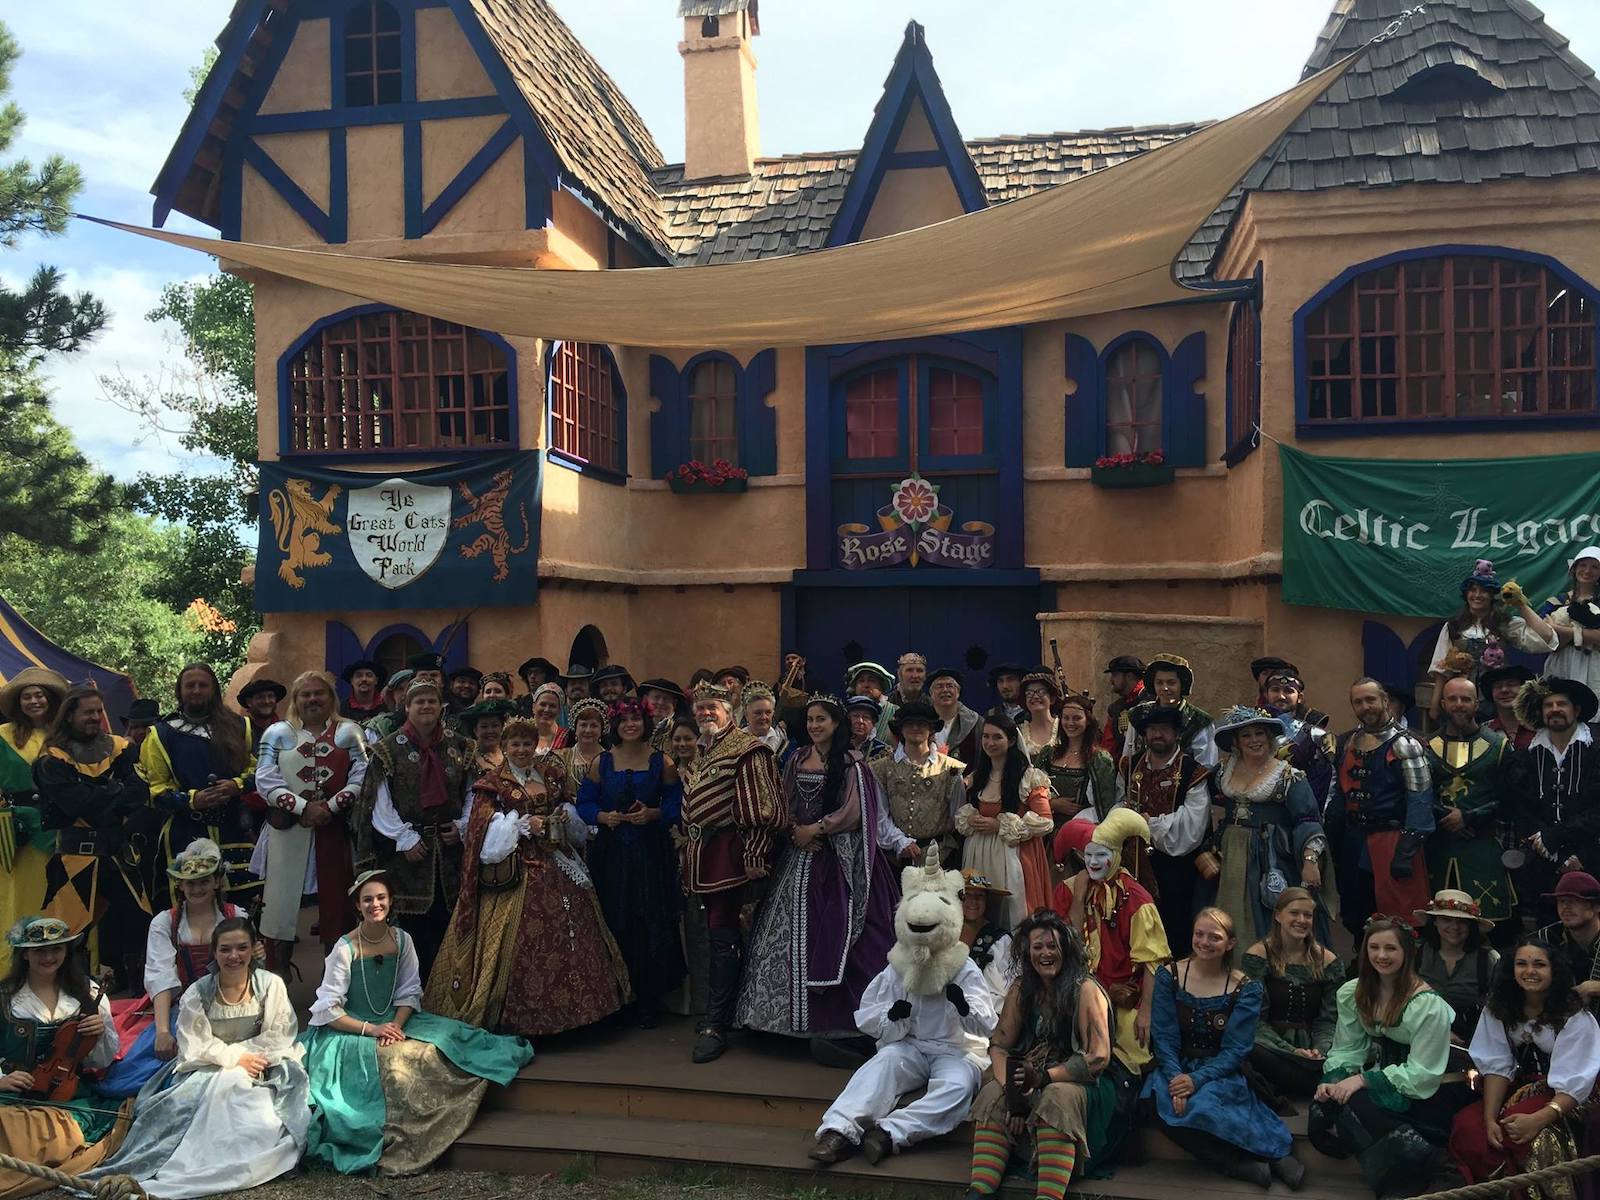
(930, 860)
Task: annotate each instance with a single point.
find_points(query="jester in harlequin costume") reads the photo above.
(1125, 941)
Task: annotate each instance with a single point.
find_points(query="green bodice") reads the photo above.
(372, 985)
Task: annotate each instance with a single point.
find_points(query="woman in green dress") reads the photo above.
(391, 1086)
(46, 990)
(1301, 977)
(1083, 779)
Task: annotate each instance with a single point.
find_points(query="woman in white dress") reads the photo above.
(232, 1110)
(1006, 820)
(1574, 614)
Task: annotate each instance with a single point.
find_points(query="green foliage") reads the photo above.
(113, 606)
(48, 491)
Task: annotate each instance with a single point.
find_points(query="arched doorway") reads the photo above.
(588, 649)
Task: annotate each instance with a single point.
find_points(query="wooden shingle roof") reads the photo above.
(788, 204)
(1465, 91)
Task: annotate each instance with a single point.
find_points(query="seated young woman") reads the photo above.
(45, 991)
(1202, 1029)
(1380, 1097)
(229, 1111)
(1455, 959)
(177, 952)
(1049, 1054)
(1302, 979)
(1537, 1050)
(391, 1086)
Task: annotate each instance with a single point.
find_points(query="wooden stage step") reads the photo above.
(632, 1102)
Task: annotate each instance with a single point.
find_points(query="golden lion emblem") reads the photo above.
(495, 541)
(297, 522)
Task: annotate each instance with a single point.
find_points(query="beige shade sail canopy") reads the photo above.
(1104, 242)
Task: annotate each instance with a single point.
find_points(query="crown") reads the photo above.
(756, 690)
(706, 690)
(827, 698)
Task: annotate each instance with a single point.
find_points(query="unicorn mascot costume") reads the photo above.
(931, 1013)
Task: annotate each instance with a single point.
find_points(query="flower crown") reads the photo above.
(626, 706)
(1400, 922)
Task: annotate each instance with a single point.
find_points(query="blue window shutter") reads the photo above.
(669, 425)
(1084, 408)
(758, 424)
(1185, 410)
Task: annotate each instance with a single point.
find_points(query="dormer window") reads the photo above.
(372, 55)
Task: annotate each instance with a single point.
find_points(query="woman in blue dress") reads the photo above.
(391, 1086)
(1202, 1029)
(631, 797)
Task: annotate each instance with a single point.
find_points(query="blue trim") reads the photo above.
(476, 167)
(918, 577)
(231, 202)
(411, 177)
(285, 451)
(912, 78)
(408, 54)
(278, 180)
(1085, 429)
(1304, 427)
(206, 104)
(926, 460)
(618, 475)
(338, 187)
(757, 422)
(1183, 409)
(536, 147)
(996, 353)
(1241, 443)
(378, 114)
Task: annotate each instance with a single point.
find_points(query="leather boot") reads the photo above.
(723, 998)
(1398, 1163)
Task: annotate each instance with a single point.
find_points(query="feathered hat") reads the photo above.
(200, 860)
(1530, 699)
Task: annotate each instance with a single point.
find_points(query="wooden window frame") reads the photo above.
(380, 84)
(387, 382)
(957, 431)
(872, 430)
(1418, 328)
(709, 449)
(1132, 345)
(588, 409)
(1244, 381)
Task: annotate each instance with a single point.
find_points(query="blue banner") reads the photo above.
(465, 535)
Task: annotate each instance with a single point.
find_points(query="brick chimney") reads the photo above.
(722, 134)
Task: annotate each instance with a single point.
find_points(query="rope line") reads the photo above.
(1491, 1189)
(114, 1187)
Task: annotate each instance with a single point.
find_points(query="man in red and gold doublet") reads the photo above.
(732, 808)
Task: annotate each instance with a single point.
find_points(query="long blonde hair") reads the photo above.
(1368, 981)
(1277, 952)
(300, 681)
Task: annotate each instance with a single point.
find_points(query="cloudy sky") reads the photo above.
(112, 101)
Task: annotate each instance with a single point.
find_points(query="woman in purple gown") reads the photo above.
(827, 923)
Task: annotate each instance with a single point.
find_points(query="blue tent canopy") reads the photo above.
(22, 646)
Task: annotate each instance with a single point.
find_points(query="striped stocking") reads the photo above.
(1057, 1153)
(991, 1147)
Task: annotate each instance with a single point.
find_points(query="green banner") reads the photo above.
(1396, 536)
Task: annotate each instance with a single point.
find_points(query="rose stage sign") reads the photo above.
(1394, 536)
(456, 536)
(915, 527)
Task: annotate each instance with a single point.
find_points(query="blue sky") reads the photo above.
(102, 83)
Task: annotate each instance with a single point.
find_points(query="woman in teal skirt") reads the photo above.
(391, 1086)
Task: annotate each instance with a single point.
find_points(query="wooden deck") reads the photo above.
(632, 1101)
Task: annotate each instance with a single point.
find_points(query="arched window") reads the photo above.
(1449, 337)
(714, 412)
(372, 55)
(393, 652)
(1244, 380)
(393, 380)
(587, 406)
(1133, 398)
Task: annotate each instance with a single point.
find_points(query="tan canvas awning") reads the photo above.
(1104, 242)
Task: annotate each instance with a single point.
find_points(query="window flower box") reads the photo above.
(696, 476)
(1132, 470)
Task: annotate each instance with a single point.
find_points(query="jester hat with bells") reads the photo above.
(1119, 825)
(928, 950)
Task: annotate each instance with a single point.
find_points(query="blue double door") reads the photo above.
(969, 629)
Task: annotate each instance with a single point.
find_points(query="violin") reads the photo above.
(56, 1078)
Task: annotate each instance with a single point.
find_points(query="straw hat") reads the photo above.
(1449, 902)
(41, 677)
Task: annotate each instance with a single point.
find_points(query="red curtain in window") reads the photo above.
(955, 413)
(872, 415)
(585, 405)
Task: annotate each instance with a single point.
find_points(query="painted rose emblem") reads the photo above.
(915, 500)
